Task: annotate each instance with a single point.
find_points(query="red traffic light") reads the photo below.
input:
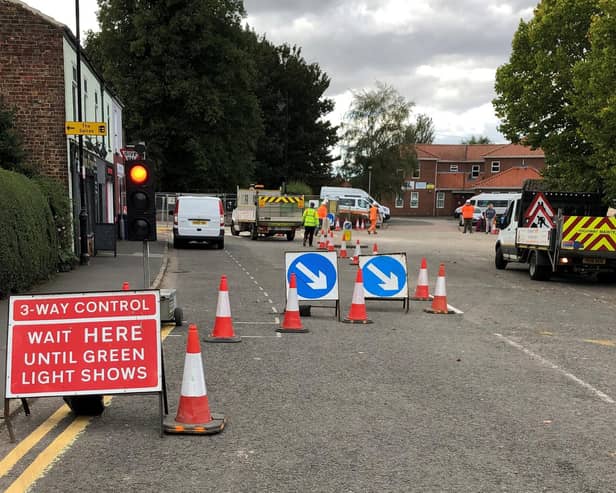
(138, 174)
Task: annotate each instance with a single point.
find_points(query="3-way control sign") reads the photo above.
(385, 276)
(92, 343)
(316, 274)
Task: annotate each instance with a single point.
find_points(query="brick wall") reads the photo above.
(32, 84)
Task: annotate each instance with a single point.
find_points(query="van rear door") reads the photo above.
(198, 217)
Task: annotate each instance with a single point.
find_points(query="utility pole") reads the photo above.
(84, 256)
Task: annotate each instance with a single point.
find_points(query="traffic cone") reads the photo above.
(337, 224)
(330, 247)
(422, 291)
(357, 224)
(223, 325)
(439, 302)
(357, 313)
(356, 254)
(292, 323)
(322, 244)
(193, 416)
(342, 252)
(125, 286)
(375, 249)
(363, 225)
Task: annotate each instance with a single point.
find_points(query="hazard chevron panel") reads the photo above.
(264, 200)
(590, 234)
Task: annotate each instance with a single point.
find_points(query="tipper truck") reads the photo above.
(267, 213)
(558, 232)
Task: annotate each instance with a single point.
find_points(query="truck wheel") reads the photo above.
(233, 231)
(290, 235)
(499, 260)
(254, 233)
(537, 272)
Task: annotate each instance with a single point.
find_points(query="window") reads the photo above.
(74, 93)
(85, 100)
(415, 173)
(453, 168)
(414, 200)
(399, 201)
(95, 106)
(108, 131)
(495, 166)
(475, 171)
(440, 200)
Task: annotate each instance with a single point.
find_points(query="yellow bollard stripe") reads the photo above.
(56, 448)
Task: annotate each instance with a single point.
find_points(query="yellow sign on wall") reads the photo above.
(86, 128)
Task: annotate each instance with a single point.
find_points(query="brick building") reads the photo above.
(38, 82)
(449, 174)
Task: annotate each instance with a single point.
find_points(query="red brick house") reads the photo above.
(38, 82)
(449, 174)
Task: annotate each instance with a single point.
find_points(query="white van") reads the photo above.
(500, 201)
(198, 218)
(334, 193)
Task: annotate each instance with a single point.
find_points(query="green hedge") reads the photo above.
(29, 249)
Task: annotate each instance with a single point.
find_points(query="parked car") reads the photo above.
(477, 216)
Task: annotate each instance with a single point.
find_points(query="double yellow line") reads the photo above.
(55, 449)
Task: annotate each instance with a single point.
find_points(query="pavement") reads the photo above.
(105, 272)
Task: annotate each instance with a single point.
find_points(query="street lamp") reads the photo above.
(369, 178)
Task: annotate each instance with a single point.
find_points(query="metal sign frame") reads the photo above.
(333, 294)
(403, 293)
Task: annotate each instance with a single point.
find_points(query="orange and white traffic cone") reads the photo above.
(194, 416)
(343, 251)
(439, 302)
(357, 224)
(363, 225)
(322, 241)
(375, 249)
(357, 313)
(330, 247)
(337, 224)
(356, 254)
(292, 323)
(223, 325)
(125, 286)
(422, 291)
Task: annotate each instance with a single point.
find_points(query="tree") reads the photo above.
(296, 141)
(420, 132)
(374, 130)
(184, 73)
(11, 150)
(595, 96)
(480, 139)
(535, 90)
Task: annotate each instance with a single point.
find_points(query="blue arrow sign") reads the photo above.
(331, 218)
(315, 274)
(384, 277)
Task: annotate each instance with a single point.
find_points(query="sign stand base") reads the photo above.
(7, 416)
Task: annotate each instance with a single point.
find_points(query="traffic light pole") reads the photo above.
(146, 264)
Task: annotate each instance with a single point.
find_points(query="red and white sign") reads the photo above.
(90, 343)
(540, 213)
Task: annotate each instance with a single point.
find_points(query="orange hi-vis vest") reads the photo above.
(467, 211)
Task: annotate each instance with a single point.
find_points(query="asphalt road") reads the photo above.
(516, 394)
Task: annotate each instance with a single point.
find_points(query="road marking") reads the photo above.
(601, 342)
(603, 396)
(57, 447)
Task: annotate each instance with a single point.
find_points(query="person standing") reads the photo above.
(467, 214)
(310, 221)
(322, 213)
(373, 218)
(489, 214)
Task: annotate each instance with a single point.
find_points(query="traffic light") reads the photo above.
(140, 201)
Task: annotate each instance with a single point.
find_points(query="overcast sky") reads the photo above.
(440, 54)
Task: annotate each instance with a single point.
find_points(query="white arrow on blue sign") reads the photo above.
(385, 276)
(316, 274)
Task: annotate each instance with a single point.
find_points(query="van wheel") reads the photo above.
(177, 243)
(499, 260)
(290, 235)
(537, 272)
(233, 231)
(220, 244)
(254, 233)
